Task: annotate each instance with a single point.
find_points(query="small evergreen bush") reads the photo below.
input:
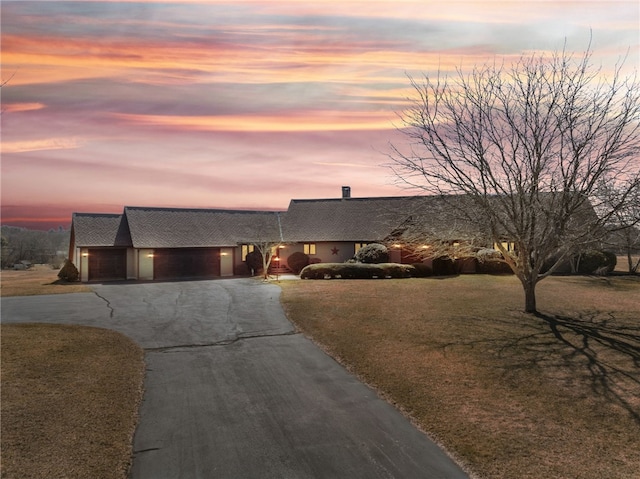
(254, 262)
(421, 270)
(444, 266)
(373, 253)
(317, 271)
(494, 267)
(356, 271)
(69, 272)
(396, 270)
(296, 261)
(597, 262)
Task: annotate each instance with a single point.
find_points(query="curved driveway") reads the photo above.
(232, 391)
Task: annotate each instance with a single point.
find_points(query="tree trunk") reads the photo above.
(529, 296)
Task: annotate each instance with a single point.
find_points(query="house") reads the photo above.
(146, 243)
(164, 243)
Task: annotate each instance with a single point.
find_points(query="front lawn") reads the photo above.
(40, 279)
(70, 397)
(510, 395)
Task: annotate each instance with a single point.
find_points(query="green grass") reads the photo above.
(510, 395)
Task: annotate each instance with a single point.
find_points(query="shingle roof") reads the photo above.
(372, 219)
(339, 219)
(345, 219)
(183, 228)
(100, 229)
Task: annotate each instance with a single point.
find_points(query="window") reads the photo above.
(507, 245)
(359, 246)
(246, 249)
(309, 248)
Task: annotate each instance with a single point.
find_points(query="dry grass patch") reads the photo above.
(511, 395)
(38, 280)
(70, 397)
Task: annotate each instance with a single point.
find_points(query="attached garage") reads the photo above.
(107, 264)
(175, 263)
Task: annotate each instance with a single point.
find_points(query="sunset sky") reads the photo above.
(243, 104)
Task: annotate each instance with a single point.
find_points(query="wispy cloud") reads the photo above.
(286, 121)
(39, 145)
(231, 103)
(18, 107)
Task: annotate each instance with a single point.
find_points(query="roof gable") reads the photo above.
(100, 229)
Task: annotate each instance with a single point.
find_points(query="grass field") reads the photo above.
(38, 280)
(69, 401)
(510, 395)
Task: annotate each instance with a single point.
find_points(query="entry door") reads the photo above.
(226, 262)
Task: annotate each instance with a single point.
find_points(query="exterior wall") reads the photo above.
(239, 267)
(326, 252)
(83, 264)
(132, 263)
(145, 264)
(226, 261)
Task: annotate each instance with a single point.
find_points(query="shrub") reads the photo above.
(597, 262)
(588, 262)
(395, 270)
(466, 265)
(318, 271)
(444, 266)
(373, 253)
(356, 271)
(494, 267)
(421, 270)
(296, 261)
(69, 272)
(254, 261)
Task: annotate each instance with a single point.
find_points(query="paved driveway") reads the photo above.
(232, 391)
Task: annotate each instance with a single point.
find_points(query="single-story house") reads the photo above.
(145, 243)
(162, 243)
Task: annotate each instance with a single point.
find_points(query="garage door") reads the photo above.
(186, 263)
(107, 264)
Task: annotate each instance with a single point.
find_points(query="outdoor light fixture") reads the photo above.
(84, 255)
(150, 255)
(277, 260)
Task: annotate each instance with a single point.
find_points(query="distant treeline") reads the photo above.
(33, 246)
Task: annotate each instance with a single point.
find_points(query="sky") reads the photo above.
(244, 104)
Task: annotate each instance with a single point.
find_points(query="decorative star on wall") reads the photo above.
(334, 250)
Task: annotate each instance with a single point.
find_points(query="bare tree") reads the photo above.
(526, 145)
(624, 224)
(265, 235)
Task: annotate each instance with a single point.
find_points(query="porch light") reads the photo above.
(84, 255)
(224, 254)
(150, 255)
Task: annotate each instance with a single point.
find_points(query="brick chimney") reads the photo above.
(346, 192)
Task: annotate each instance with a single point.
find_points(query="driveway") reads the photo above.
(233, 391)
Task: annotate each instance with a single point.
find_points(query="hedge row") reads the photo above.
(356, 271)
